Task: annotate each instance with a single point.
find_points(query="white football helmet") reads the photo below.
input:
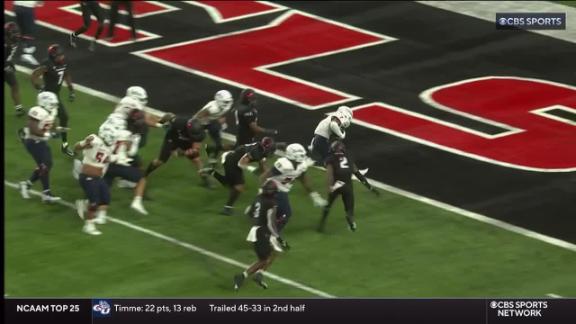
(296, 152)
(129, 103)
(138, 93)
(223, 99)
(108, 134)
(346, 111)
(344, 118)
(48, 101)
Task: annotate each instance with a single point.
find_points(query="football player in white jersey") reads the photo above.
(124, 149)
(285, 171)
(34, 137)
(97, 151)
(333, 127)
(213, 118)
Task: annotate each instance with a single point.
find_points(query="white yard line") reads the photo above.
(486, 10)
(478, 217)
(189, 246)
(554, 295)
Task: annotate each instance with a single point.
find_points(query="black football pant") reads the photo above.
(114, 7)
(347, 193)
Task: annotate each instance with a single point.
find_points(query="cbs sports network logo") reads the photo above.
(531, 21)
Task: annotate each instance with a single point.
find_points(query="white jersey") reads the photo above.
(116, 121)
(286, 172)
(126, 105)
(325, 129)
(214, 112)
(45, 123)
(29, 4)
(98, 154)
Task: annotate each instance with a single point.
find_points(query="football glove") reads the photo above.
(318, 200)
(71, 95)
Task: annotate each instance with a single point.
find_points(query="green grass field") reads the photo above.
(403, 248)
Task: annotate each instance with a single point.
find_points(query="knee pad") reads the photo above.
(43, 169)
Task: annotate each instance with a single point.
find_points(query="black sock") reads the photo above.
(34, 177)
(45, 179)
(234, 194)
(220, 178)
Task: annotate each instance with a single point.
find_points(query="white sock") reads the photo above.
(100, 213)
(137, 199)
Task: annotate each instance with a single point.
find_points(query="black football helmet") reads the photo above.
(248, 96)
(56, 54)
(11, 32)
(195, 130)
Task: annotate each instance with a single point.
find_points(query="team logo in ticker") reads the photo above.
(101, 308)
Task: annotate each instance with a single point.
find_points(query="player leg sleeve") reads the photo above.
(97, 12)
(131, 20)
(113, 17)
(348, 200)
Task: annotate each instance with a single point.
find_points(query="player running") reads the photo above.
(11, 42)
(264, 235)
(330, 128)
(35, 137)
(235, 162)
(287, 169)
(97, 151)
(89, 8)
(54, 71)
(247, 119)
(339, 170)
(213, 119)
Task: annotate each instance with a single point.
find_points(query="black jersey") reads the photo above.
(245, 115)
(183, 130)
(54, 76)
(341, 165)
(255, 151)
(261, 208)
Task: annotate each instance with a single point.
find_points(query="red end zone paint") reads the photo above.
(232, 10)
(52, 13)
(542, 144)
(235, 58)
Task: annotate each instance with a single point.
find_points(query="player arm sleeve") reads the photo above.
(271, 221)
(360, 176)
(335, 127)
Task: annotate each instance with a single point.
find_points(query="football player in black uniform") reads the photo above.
(264, 235)
(11, 40)
(339, 168)
(247, 119)
(238, 160)
(89, 8)
(183, 137)
(54, 70)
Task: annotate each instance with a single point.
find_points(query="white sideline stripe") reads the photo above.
(466, 213)
(190, 247)
(554, 295)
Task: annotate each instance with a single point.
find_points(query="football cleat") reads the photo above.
(351, 225)
(137, 206)
(48, 198)
(238, 281)
(67, 151)
(90, 228)
(100, 220)
(227, 211)
(259, 279)
(20, 111)
(24, 188)
(125, 184)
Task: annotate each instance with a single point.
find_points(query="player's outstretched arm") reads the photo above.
(262, 131)
(316, 197)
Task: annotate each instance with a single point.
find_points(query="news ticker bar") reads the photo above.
(175, 311)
